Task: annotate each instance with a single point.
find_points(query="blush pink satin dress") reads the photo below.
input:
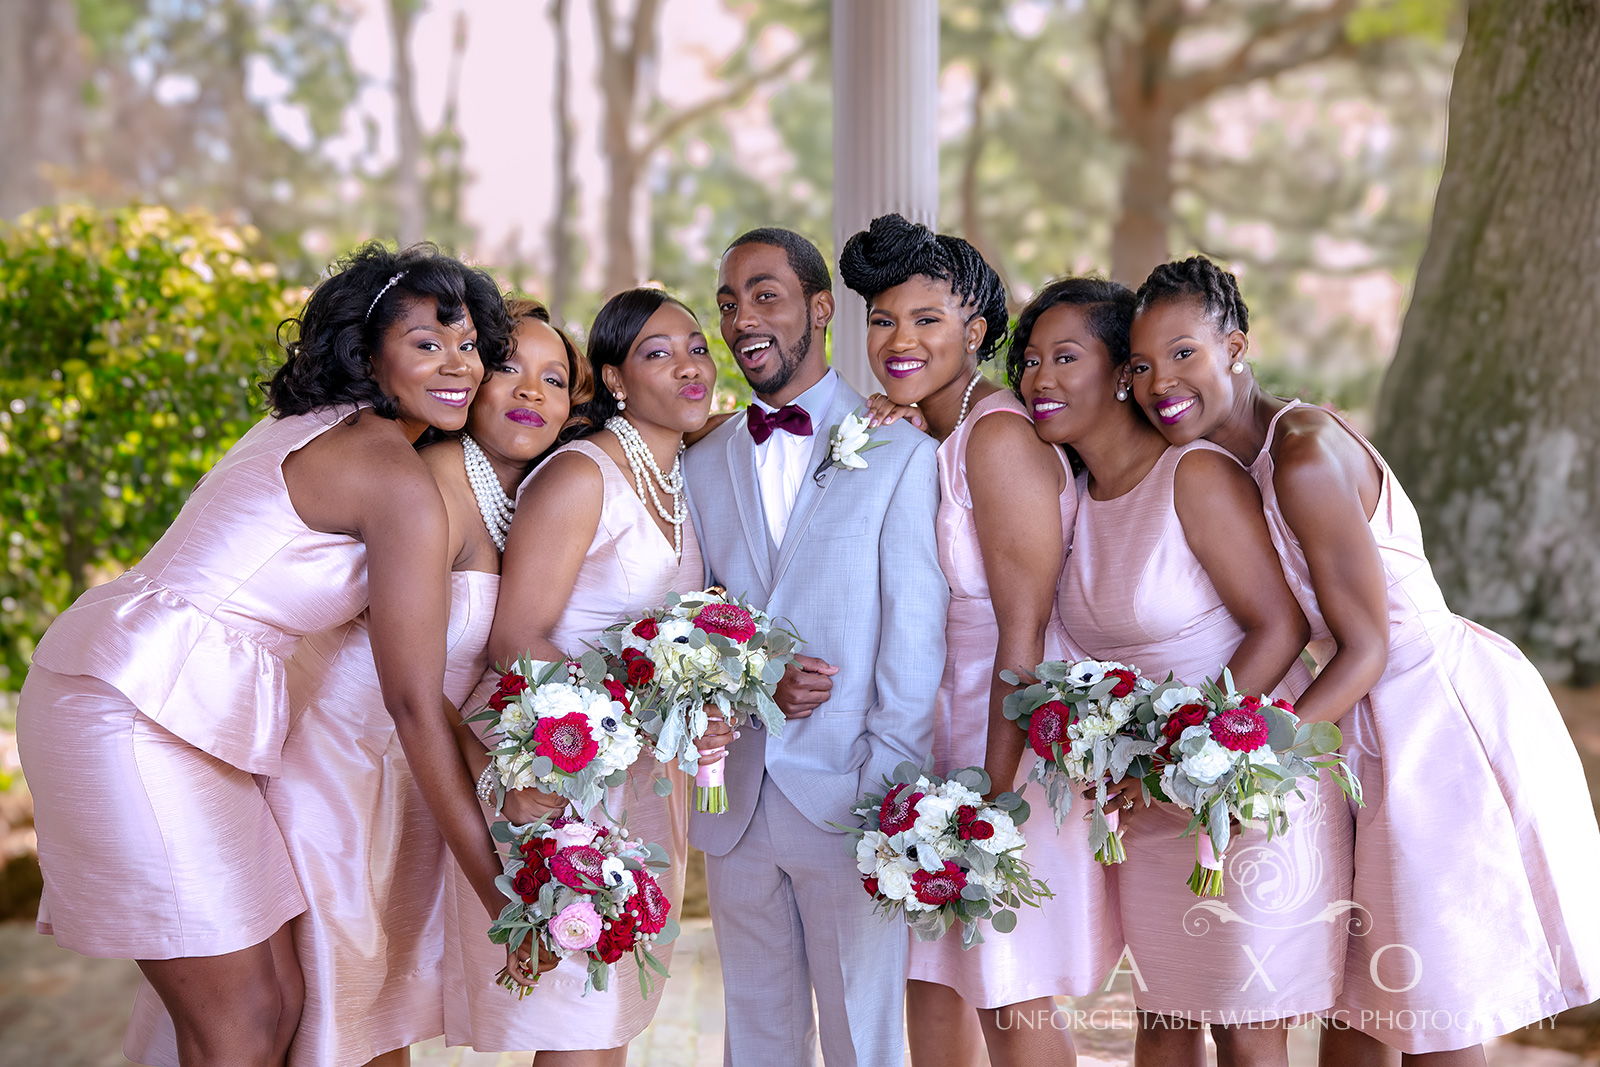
(1273, 945)
(629, 567)
(1476, 856)
(1068, 946)
(368, 854)
(155, 698)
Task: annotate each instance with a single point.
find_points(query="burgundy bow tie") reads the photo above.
(790, 418)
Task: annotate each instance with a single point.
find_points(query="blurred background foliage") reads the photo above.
(1302, 143)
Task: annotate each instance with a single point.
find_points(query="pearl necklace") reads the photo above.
(647, 475)
(967, 396)
(493, 504)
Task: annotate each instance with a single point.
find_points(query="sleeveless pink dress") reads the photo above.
(369, 856)
(1070, 944)
(1272, 946)
(628, 568)
(154, 699)
(1476, 856)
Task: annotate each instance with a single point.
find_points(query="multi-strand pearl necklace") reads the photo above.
(647, 475)
(493, 504)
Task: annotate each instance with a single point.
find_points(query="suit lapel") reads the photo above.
(845, 400)
(747, 497)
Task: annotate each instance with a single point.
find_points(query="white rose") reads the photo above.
(1173, 699)
(894, 882)
(574, 835)
(1208, 764)
(934, 815)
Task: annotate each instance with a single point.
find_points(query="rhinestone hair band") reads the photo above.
(386, 287)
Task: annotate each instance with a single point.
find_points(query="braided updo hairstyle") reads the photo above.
(1198, 278)
(893, 250)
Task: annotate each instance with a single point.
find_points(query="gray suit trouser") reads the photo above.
(792, 916)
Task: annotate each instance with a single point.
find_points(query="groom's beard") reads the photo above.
(789, 359)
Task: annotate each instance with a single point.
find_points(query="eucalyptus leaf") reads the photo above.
(1004, 921)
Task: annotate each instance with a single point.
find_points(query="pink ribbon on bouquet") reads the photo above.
(1205, 854)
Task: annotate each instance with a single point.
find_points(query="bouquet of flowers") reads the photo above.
(566, 728)
(1223, 756)
(701, 649)
(583, 889)
(933, 849)
(1089, 724)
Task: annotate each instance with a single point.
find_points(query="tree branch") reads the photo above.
(1314, 35)
(681, 120)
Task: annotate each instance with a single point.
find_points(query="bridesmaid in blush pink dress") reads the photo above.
(592, 542)
(1477, 853)
(1171, 572)
(1007, 503)
(157, 698)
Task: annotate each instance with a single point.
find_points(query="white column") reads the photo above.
(885, 139)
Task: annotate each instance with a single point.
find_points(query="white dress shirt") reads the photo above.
(782, 459)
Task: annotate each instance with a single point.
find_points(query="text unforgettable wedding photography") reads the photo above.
(664, 533)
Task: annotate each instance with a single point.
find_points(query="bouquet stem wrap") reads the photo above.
(1112, 851)
(710, 795)
(1206, 881)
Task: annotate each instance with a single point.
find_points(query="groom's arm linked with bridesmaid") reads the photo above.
(326, 602)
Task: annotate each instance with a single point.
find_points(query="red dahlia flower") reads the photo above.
(1125, 681)
(1240, 729)
(572, 865)
(898, 813)
(729, 620)
(649, 902)
(1048, 726)
(939, 887)
(567, 741)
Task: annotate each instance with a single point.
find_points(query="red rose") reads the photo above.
(617, 939)
(729, 620)
(528, 881)
(1179, 721)
(970, 827)
(939, 887)
(649, 902)
(646, 630)
(980, 830)
(1048, 726)
(898, 812)
(511, 683)
(619, 693)
(1284, 704)
(1250, 702)
(870, 884)
(567, 740)
(1125, 681)
(640, 671)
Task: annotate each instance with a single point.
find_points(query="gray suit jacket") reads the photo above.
(858, 578)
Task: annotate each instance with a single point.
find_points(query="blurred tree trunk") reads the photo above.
(410, 203)
(41, 93)
(1147, 96)
(622, 62)
(1490, 413)
(561, 265)
(972, 226)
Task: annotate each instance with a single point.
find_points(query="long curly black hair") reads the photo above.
(328, 347)
(893, 249)
(1200, 279)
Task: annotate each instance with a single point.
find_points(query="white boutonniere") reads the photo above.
(846, 442)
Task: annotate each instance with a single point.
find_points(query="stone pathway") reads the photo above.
(64, 1010)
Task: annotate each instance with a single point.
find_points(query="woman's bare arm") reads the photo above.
(1220, 509)
(1016, 481)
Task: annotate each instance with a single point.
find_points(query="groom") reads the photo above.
(848, 558)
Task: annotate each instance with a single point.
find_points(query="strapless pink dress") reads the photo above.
(1476, 856)
(630, 567)
(154, 699)
(1068, 946)
(369, 856)
(1272, 946)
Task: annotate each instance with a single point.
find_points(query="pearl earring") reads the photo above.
(622, 404)
(1122, 394)
(1238, 366)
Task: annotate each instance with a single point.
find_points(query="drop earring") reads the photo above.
(1122, 394)
(622, 404)
(1238, 366)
